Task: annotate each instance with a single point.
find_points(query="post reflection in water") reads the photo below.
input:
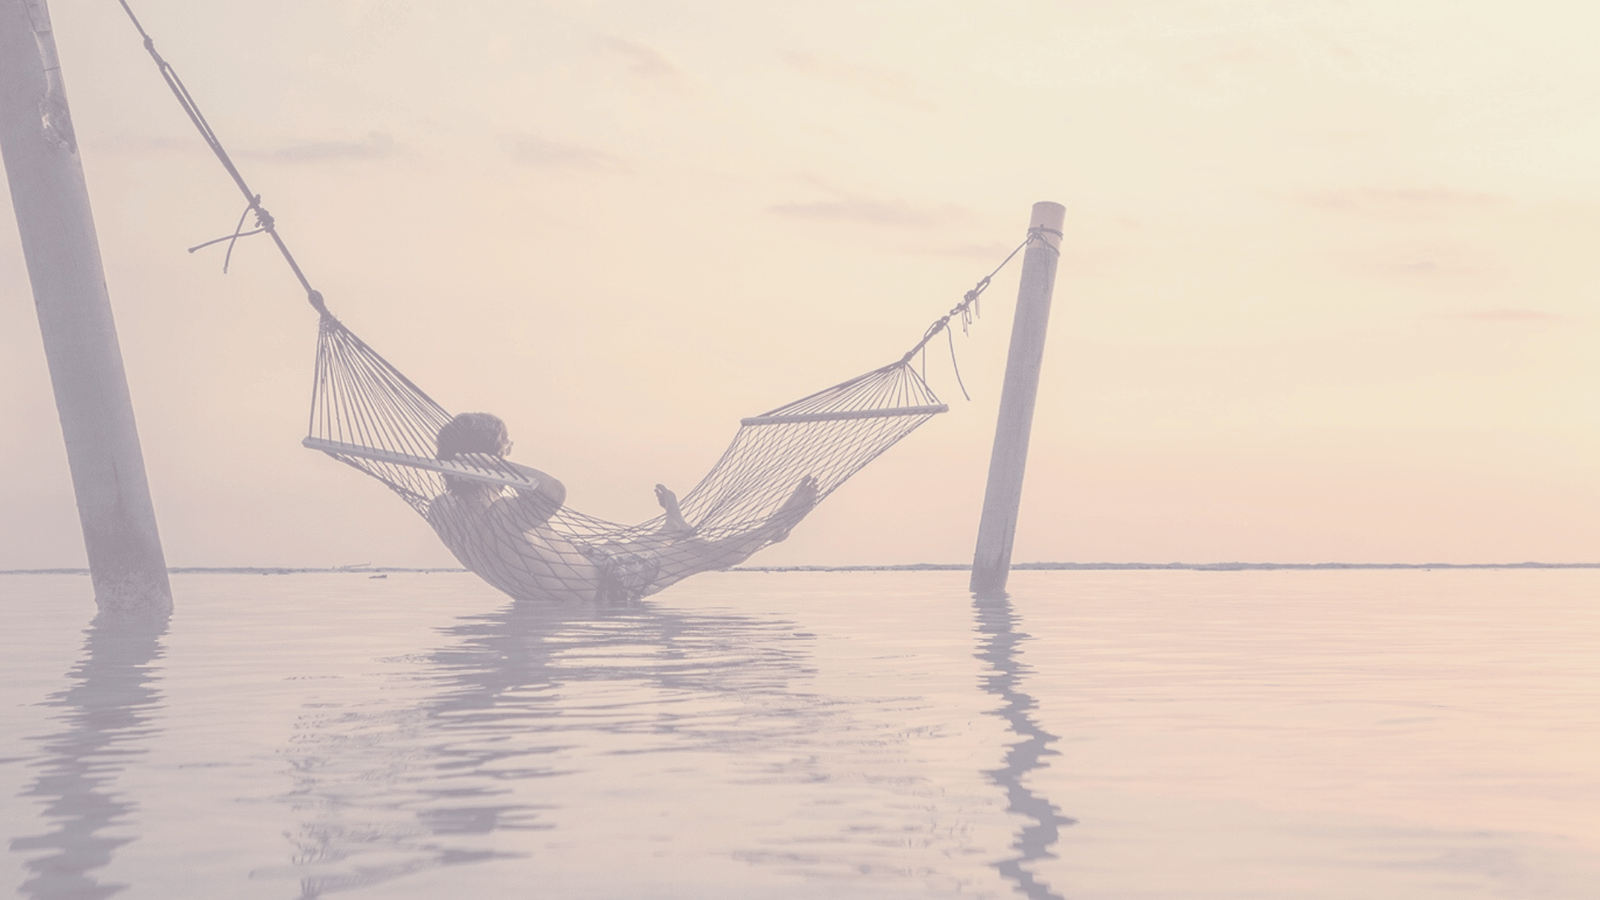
(514, 709)
(997, 622)
(107, 712)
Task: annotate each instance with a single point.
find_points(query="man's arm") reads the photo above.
(550, 492)
(530, 505)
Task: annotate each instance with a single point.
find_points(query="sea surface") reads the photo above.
(1358, 735)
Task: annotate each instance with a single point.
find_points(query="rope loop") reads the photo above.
(950, 336)
(264, 224)
(1036, 236)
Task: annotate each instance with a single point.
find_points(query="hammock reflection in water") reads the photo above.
(387, 794)
(526, 696)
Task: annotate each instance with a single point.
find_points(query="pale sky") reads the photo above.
(1328, 289)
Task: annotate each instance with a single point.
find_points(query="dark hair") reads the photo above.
(473, 433)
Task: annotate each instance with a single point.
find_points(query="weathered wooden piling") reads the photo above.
(991, 563)
(51, 201)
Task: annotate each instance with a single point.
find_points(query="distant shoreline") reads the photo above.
(908, 567)
(1192, 567)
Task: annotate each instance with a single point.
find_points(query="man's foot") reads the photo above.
(794, 509)
(669, 501)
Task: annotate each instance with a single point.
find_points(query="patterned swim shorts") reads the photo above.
(625, 575)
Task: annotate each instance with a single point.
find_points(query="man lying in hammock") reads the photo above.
(506, 537)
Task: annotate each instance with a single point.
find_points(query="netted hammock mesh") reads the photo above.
(368, 415)
(498, 518)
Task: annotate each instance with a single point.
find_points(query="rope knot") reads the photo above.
(1036, 236)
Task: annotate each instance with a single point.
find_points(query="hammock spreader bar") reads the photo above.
(846, 415)
(454, 468)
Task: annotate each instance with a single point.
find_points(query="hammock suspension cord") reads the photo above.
(264, 221)
(967, 309)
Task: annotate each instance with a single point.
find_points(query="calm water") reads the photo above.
(1357, 734)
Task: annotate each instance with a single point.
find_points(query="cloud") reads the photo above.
(1391, 202)
(648, 63)
(1508, 315)
(139, 145)
(993, 251)
(850, 74)
(1214, 66)
(867, 212)
(375, 145)
(528, 150)
(1421, 267)
(1436, 261)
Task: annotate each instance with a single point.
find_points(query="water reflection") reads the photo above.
(454, 776)
(107, 712)
(997, 622)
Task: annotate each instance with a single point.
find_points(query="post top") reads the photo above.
(1048, 216)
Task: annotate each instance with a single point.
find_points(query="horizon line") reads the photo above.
(900, 567)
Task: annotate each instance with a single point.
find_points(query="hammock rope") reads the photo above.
(264, 221)
(510, 524)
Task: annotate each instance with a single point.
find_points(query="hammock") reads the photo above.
(368, 415)
(510, 524)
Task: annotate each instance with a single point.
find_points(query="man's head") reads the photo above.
(474, 433)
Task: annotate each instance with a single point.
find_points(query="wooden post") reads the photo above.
(80, 339)
(991, 563)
